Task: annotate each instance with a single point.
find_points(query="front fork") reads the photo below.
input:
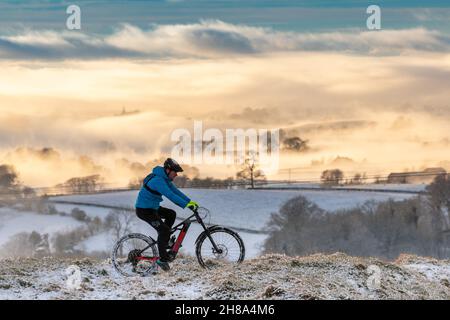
(208, 234)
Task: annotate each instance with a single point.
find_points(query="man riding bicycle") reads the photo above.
(155, 185)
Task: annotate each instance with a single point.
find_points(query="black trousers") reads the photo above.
(155, 217)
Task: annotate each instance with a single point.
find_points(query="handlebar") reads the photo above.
(201, 212)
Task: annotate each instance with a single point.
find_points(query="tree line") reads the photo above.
(418, 225)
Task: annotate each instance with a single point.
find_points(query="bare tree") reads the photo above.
(250, 171)
(25, 245)
(42, 247)
(439, 197)
(295, 144)
(120, 221)
(332, 177)
(439, 192)
(8, 176)
(377, 179)
(382, 229)
(82, 184)
(358, 178)
(18, 245)
(10, 186)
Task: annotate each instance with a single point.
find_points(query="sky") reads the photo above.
(305, 15)
(311, 68)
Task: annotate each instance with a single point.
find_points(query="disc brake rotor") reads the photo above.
(222, 253)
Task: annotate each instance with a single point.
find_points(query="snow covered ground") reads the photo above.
(370, 186)
(13, 222)
(240, 209)
(335, 276)
(248, 209)
(389, 186)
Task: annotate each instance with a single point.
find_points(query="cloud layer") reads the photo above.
(210, 39)
(381, 96)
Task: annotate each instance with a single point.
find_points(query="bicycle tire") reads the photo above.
(216, 234)
(115, 254)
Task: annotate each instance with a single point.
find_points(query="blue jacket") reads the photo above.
(161, 186)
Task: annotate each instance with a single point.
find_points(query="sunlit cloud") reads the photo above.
(379, 98)
(210, 39)
(344, 105)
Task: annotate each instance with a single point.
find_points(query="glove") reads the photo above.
(192, 205)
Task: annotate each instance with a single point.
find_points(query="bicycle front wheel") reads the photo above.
(230, 247)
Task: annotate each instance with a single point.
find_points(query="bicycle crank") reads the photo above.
(132, 257)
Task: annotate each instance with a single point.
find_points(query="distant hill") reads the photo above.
(327, 126)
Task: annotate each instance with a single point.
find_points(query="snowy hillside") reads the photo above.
(248, 209)
(336, 276)
(13, 222)
(369, 186)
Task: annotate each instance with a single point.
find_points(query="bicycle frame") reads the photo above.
(183, 227)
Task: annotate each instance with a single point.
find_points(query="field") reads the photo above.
(249, 209)
(335, 276)
(246, 211)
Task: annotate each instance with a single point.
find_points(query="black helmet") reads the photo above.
(172, 165)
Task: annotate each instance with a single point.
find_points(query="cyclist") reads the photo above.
(155, 185)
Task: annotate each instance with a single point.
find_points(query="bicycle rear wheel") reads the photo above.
(129, 257)
(230, 245)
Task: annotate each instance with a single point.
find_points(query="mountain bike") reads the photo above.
(136, 254)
